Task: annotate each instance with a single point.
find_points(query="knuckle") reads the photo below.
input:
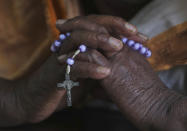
(77, 20)
(103, 30)
(118, 20)
(94, 55)
(93, 52)
(103, 38)
(91, 36)
(94, 27)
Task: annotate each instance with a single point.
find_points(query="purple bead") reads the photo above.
(53, 49)
(143, 50)
(137, 46)
(124, 40)
(141, 46)
(57, 43)
(62, 37)
(130, 43)
(70, 61)
(82, 48)
(148, 53)
(68, 34)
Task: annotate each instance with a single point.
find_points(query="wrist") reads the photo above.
(145, 105)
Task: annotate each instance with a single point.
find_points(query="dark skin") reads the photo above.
(35, 97)
(124, 74)
(133, 86)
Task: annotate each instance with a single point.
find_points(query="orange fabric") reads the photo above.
(169, 48)
(27, 28)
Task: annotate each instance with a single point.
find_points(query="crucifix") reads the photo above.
(68, 85)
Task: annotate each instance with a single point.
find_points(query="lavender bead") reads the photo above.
(143, 50)
(130, 43)
(57, 43)
(82, 48)
(70, 61)
(68, 34)
(148, 53)
(53, 49)
(140, 46)
(62, 37)
(137, 46)
(124, 40)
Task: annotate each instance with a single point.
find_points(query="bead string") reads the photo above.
(131, 43)
(55, 47)
(137, 47)
(68, 83)
(70, 61)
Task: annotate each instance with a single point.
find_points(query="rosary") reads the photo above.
(68, 84)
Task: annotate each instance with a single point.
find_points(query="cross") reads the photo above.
(68, 84)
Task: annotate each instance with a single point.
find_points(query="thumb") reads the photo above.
(60, 22)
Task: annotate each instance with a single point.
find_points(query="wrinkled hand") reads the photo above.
(125, 74)
(99, 34)
(130, 72)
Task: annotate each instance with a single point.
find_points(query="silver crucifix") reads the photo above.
(68, 84)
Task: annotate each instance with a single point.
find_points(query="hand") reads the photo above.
(96, 32)
(138, 92)
(134, 86)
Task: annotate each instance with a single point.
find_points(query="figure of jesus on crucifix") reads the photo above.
(68, 85)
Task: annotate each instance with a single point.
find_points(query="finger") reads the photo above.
(92, 40)
(91, 56)
(79, 23)
(141, 38)
(137, 38)
(115, 25)
(89, 70)
(61, 21)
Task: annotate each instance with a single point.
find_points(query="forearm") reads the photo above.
(32, 98)
(148, 105)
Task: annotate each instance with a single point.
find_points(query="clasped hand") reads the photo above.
(107, 58)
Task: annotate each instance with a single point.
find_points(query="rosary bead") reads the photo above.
(137, 46)
(62, 37)
(130, 43)
(82, 48)
(148, 53)
(143, 50)
(68, 34)
(57, 43)
(70, 61)
(53, 49)
(141, 46)
(124, 40)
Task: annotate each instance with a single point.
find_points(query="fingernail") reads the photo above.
(60, 21)
(103, 70)
(131, 27)
(115, 43)
(142, 36)
(62, 57)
